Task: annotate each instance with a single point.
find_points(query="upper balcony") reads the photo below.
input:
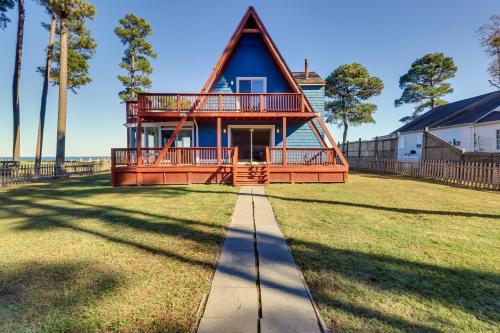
(207, 105)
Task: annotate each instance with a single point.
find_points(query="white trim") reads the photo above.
(453, 126)
(271, 127)
(250, 78)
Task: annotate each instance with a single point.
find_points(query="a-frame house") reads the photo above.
(254, 122)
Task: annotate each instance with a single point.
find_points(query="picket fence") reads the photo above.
(29, 173)
(468, 174)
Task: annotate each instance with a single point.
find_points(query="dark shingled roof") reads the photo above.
(314, 78)
(494, 116)
(466, 111)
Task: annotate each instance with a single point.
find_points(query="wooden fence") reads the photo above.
(28, 173)
(378, 148)
(468, 174)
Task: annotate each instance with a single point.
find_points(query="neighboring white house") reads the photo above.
(471, 124)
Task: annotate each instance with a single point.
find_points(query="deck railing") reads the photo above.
(227, 102)
(131, 108)
(303, 156)
(202, 156)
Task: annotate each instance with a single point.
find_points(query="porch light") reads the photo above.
(277, 129)
(224, 130)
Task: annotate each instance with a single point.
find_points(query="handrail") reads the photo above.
(235, 164)
(268, 162)
(220, 102)
(303, 156)
(203, 156)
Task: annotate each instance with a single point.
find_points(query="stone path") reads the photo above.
(257, 286)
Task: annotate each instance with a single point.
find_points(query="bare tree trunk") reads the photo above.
(132, 78)
(43, 106)
(16, 144)
(63, 84)
(344, 135)
(433, 103)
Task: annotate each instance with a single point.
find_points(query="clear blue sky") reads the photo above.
(385, 36)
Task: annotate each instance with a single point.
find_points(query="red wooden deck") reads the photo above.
(211, 165)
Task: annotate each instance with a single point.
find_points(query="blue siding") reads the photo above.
(251, 58)
(316, 97)
(299, 134)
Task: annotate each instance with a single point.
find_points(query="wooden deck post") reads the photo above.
(359, 148)
(139, 141)
(219, 140)
(283, 158)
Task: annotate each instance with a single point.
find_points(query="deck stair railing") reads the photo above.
(304, 156)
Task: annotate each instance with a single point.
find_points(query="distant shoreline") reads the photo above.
(53, 158)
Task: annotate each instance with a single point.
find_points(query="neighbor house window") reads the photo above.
(453, 137)
(401, 142)
(498, 139)
(419, 141)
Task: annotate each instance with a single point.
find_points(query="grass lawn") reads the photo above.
(383, 254)
(79, 255)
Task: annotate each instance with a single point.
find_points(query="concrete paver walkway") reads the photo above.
(257, 286)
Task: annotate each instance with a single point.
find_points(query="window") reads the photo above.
(257, 85)
(183, 139)
(498, 139)
(401, 142)
(151, 137)
(419, 141)
(453, 137)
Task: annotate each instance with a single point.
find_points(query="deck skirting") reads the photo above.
(185, 175)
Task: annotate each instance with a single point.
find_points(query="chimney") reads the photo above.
(306, 68)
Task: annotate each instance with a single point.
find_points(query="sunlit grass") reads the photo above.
(383, 254)
(81, 256)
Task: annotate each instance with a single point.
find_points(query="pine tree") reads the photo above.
(5, 5)
(16, 108)
(425, 83)
(46, 77)
(132, 32)
(72, 15)
(348, 86)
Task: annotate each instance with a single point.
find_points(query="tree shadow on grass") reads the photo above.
(37, 296)
(471, 291)
(410, 211)
(50, 216)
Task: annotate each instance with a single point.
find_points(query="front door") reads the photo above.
(251, 143)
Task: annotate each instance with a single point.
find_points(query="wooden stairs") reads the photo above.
(251, 174)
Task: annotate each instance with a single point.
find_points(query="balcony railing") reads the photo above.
(131, 108)
(227, 102)
(206, 156)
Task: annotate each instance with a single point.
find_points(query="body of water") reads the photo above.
(68, 158)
